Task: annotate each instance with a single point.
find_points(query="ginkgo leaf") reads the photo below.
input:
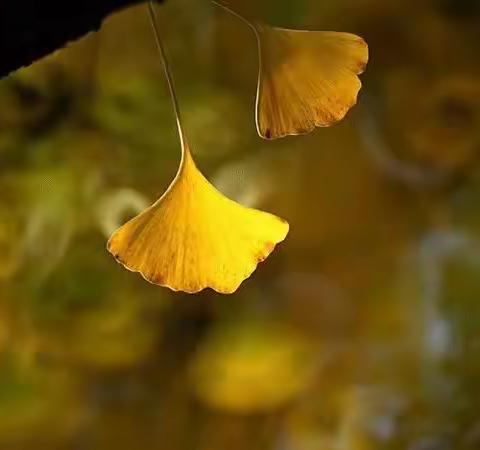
(307, 79)
(193, 237)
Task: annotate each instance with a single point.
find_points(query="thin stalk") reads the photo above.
(255, 27)
(237, 15)
(168, 74)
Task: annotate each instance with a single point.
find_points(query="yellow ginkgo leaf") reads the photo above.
(193, 237)
(307, 79)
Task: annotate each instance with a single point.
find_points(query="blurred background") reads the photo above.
(360, 332)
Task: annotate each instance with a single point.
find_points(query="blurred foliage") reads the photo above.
(361, 333)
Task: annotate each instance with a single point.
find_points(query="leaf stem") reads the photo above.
(168, 74)
(237, 15)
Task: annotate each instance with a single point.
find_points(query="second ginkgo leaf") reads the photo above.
(306, 79)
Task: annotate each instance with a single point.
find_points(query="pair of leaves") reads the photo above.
(193, 237)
